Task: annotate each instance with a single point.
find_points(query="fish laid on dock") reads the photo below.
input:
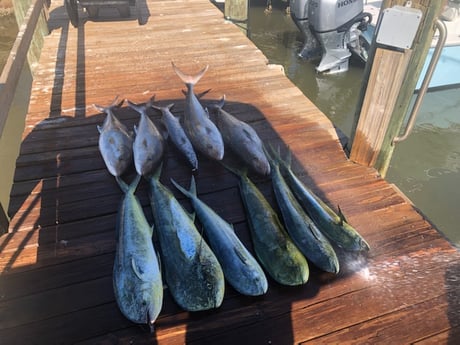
(274, 248)
(303, 231)
(241, 269)
(115, 142)
(333, 225)
(148, 144)
(202, 132)
(177, 134)
(191, 270)
(137, 277)
(242, 139)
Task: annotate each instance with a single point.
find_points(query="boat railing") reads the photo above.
(32, 16)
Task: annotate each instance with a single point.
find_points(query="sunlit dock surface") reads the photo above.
(56, 261)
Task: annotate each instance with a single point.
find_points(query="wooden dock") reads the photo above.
(56, 261)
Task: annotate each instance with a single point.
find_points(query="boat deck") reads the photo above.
(56, 261)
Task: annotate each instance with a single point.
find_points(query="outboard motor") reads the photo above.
(331, 29)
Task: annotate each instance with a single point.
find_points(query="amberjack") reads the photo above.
(202, 132)
(115, 142)
(177, 134)
(148, 144)
(242, 139)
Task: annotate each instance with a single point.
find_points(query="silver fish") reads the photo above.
(242, 139)
(274, 248)
(177, 134)
(191, 270)
(115, 143)
(148, 144)
(202, 132)
(240, 268)
(333, 225)
(137, 278)
(303, 231)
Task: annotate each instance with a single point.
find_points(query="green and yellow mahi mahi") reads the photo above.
(137, 278)
(333, 225)
(272, 244)
(303, 231)
(191, 270)
(240, 268)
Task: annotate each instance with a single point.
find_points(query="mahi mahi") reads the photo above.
(333, 225)
(148, 144)
(240, 268)
(242, 139)
(177, 134)
(192, 272)
(272, 244)
(202, 132)
(137, 278)
(305, 234)
(115, 143)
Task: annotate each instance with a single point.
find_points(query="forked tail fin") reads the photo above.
(189, 79)
(141, 107)
(114, 105)
(128, 188)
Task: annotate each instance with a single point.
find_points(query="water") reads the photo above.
(426, 167)
(8, 32)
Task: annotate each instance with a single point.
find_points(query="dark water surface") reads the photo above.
(426, 167)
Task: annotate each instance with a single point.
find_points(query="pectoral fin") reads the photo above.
(240, 256)
(137, 271)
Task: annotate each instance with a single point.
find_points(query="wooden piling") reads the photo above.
(236, 10)
(388, 85)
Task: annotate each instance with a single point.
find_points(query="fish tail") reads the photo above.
(128, 188)
(123, 186)
(219, 105)
(191, 193)
(157, 173)
(189, 79)
(272, 156)
(150, 102)
(137, 107)
(237, 171)
(113, 105)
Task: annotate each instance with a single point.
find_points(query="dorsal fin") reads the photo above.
(341, 216)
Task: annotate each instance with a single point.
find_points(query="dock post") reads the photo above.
(236, 10)
(388, 85)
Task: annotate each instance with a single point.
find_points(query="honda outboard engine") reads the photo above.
(331, 29)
